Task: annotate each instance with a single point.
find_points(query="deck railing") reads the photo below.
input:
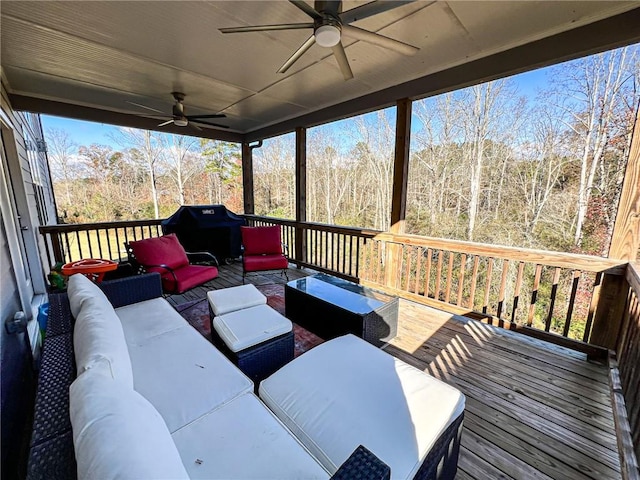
(70, 242)
(628, 355)
(546, 294)
(551, 295)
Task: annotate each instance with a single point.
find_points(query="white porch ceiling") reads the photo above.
(102, 55)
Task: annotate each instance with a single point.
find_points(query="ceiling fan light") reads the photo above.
(180, 122)
(327, 35)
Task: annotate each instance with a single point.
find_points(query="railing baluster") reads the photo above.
(534, 295)
(463, 261)
(427, 273)
(67, 257)
(554, 291)
(595, 295)
(438, 275)
(503, 284)
(89, 242)
(379, 262)
(572, 299)
(408, 270)
(79, 246)
(474, 280)
(108, 232)
(447, 294)
(357, 272)
(100, 244)
(336, 257)
(516, 295)
(487, 285)
(344, 253)
(419, 252)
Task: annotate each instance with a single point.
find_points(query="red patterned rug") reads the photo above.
(197, 314)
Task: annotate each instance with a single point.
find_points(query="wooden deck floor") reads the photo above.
(533, 409)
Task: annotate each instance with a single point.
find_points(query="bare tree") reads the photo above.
(62, 151)
(147, 150)
(592, 93)
(181, 161)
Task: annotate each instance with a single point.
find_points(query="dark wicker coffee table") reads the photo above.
(331, 307)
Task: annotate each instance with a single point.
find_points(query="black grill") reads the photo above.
(207, 228)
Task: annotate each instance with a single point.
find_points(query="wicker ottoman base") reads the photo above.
(259, 361)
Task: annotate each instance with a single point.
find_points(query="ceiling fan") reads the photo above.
(179, 119)
(329, 24)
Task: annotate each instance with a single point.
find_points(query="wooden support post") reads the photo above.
(247, 176)
(399, 195)
(625, 240)
(301, 193)
(610, 311)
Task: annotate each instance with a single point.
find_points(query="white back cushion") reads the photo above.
(98, 335)
(79, 289)
(117, 434)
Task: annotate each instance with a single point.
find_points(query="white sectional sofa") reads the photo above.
(154, 399)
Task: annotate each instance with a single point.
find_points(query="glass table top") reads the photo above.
(341, 293)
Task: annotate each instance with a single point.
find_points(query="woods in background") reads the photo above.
(486, 164)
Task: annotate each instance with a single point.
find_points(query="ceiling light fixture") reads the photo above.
(327, 35)
(180, 122)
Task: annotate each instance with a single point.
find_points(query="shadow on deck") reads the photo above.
(534, 410)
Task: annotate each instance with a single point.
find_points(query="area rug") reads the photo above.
(197, 314)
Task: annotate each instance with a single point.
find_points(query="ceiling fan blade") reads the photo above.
(371, 8)
(209, 123)
(298, 53)
(380, 40)
(165, 123)
(306, 8)
(213, 115)
(144, 106)
(266, 28)
(343, 63)
(194, 126)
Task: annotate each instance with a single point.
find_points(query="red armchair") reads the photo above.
(166, 256)
(262, 250)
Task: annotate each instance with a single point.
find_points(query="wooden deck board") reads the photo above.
(534, 410)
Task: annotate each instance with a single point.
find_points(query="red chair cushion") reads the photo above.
(165, 250)
(264, 262)
(188, 277)
(261, 240)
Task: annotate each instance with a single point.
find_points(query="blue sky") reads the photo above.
(87, 133)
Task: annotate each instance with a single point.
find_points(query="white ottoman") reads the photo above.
(257, 339)
(346, 393)
(230, 299)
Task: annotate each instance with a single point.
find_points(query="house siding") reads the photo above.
(26, 188)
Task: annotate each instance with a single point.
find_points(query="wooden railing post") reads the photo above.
(301, 194)
(399, 195)
(247, 176)
(610, 311)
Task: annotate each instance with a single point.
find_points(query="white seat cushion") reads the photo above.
(248, 327)
(243, 440)
(184, 376)
(144, 320)
(228, 300)
(117, 434)
(346, 392)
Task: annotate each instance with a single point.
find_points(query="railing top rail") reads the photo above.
(362, 232)
(75, 227)
(587, 263)
(633, 276)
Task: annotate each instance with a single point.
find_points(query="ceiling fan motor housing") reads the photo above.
(327, 31)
